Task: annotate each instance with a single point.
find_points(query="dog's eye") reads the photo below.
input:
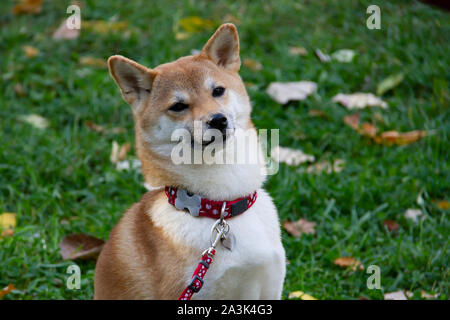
(179, 106)
(218, 91)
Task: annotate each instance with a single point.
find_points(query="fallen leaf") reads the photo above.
(105, 27)
(389, 83)
(231, 19)
(349, 262)
(391, 225)
(80, 246)
(182, 35)
(359, 100)
(344, 55)
(253, 64)
(400, 138)
(352, 121)
(18, 89)
(3, 292)
(27, 6)
(326, 166)
(119, 152)
(301, 295)
(324, 58)
(317, 113)
(426, 295)
(7, 224)
(195, 24)
(290, 156)
(35, 120)
(368, 129)
(297, 228)
(64, 33)
(398, 295)
(298, 51)
(128, 164)
(30, 51)
(101, 129)
(93, 62)
(282, 92)
(413, 214)
(443, 204)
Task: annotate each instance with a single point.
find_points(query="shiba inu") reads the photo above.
(158, 243)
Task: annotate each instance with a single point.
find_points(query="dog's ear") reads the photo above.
(134, 80)
(223, 47)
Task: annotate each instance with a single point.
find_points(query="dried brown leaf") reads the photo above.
(352, 120)
(349, 262)
(391, 225)
(253, 64)
(27, 7)
(30, 51)
(317, 113)
(80, 246)
(3, 292)
(101, 129)
(119, 152)
(297, 228)
(298, 51)
(93, 62)
(394, 137)
(64, 33)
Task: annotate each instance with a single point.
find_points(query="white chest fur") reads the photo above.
(254, 269)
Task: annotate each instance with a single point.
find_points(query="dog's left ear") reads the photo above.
(223, 47)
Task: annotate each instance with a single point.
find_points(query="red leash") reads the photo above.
(222, 228)
(197, 278)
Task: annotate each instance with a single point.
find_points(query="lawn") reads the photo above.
(60, 180)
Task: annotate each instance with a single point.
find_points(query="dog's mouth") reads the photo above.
(205, 143)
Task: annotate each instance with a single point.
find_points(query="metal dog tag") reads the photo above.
(188, 202)
(229, 241)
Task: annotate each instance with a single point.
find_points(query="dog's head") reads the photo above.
(203, 89)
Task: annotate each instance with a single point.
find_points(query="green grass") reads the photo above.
(60, 180)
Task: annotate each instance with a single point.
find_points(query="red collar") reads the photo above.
(198, 206)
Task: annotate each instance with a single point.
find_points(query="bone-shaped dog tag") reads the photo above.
(190, 202)
(229, 241)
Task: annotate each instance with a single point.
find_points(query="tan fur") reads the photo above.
(138, 261)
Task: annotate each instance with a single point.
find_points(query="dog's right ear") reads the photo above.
(134, 80)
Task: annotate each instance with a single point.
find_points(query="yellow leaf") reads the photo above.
(105, 27)
(182, 35)
(7, 224)
(195, 24)
(301, 295)
(8, 220)
(27, 6)
(444, 205)
(30, 51)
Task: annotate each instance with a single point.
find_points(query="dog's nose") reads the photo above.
(219, 122)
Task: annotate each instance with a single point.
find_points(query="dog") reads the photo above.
(156, 246)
